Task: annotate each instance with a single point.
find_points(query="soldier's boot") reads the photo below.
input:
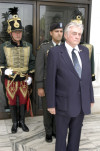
(13, 109)
(22, 119)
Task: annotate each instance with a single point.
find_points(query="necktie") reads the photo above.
(76, 63)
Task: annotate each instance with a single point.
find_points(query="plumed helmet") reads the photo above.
(77, 17)
(15, 22)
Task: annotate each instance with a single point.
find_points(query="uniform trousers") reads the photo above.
(48, 119)
(14, 89)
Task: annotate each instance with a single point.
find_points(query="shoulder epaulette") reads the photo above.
(44, 43)
(25, 43)
(7, 43)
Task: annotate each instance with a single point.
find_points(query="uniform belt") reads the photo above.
(22, 72)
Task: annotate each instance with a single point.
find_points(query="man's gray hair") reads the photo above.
(73, 24)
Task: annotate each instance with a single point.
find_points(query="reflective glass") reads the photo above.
(25, 12)
(50, 14)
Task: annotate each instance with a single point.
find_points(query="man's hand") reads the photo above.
(92, 104)
(52, 110)
(8, 72)
(41, 92)
(28, 81)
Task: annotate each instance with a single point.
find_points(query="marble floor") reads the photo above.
(34, 140)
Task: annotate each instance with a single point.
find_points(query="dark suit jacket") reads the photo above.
(65, 90)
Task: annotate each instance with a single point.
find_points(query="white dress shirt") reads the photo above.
(55, 43)
(69, 50)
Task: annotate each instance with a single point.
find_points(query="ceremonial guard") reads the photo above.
(17, 66)
(56, 32)
(91, 57)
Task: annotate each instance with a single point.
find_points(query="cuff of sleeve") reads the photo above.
(39, 85)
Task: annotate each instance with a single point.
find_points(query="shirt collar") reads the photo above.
(55, 43)
(69, 48)
(77, 48)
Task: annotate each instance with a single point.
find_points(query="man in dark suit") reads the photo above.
(56, 32)
(69, 91)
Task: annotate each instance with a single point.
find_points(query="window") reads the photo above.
(25, 13)
(57, 13)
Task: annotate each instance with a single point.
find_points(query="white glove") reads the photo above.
(28, 81)
(8, 72)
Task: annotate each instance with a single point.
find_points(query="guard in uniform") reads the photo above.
(91, 57)
(17, 66)
(56, 32)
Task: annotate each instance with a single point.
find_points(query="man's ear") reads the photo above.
(65, 35)
(50, 33)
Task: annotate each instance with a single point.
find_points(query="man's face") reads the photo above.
(56, 35)
(16, 35)
(73, 36)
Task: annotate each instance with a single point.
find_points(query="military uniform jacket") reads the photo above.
(91, 57)
(21, 58)
(41, 63)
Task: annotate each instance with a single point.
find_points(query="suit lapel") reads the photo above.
(67, 59)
